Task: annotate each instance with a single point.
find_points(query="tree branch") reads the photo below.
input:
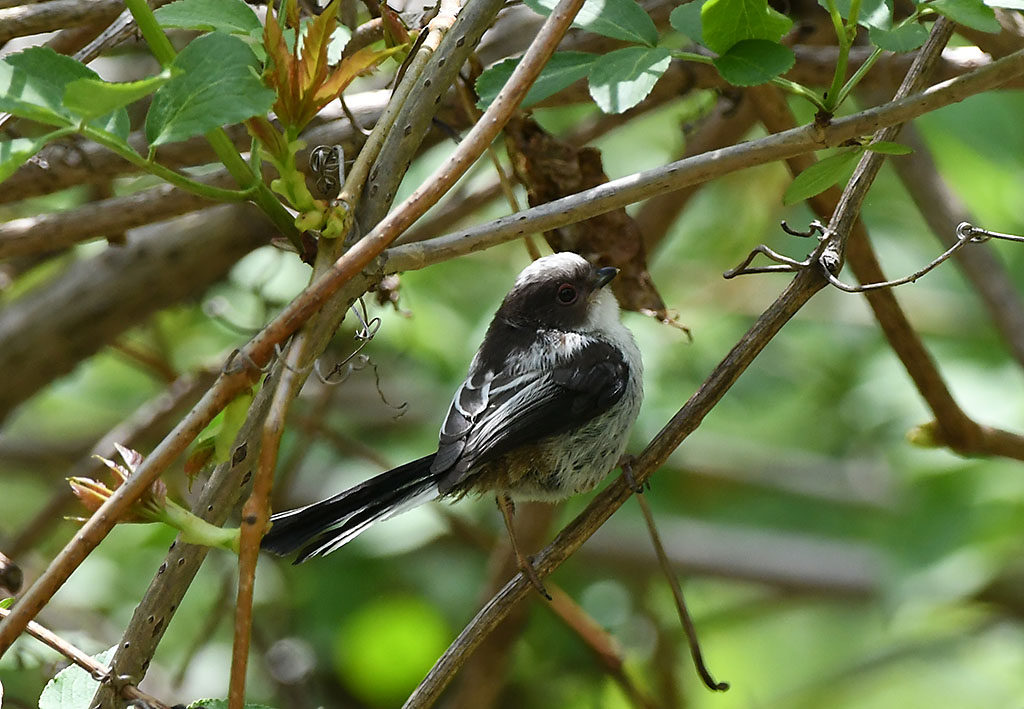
(86, 662)
(86, 307)
(619, 193)
(53, 15)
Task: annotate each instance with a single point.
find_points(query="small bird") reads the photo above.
(544, 414)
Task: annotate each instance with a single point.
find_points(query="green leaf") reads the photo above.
(222, 704)
(888, 148)
(339, 38)
(902, 38)
(234, 416)
(14, 153)
(210, 15)
(969, 13)
(726, 22)
(561, 71)
(73, 687)
(618, 19)
(215, 84)
(873, 13)
(7, 602)
(623, 78)
(685, 19)
(821, 175)
(95, 97)
(754, 61)
(116, 124)
(32, 84)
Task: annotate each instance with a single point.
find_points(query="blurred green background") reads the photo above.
(827, 562)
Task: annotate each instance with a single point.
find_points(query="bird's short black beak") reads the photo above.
(603, 275)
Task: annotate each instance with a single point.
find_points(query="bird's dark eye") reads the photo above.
(567, 294)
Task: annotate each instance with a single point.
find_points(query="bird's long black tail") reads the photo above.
(324, 526)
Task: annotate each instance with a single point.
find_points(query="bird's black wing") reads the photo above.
(494, 412)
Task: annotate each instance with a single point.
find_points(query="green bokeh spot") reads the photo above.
(385, 648)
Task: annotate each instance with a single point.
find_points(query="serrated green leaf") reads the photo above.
(903, 38)
(969, 13)
(215, 84)
(685, 19)
(873, 13)
(754, 61)
(623, 78)
(821, 175)
(210, 15)
(888, 148)
(14, 154)
(73, 687)
(727, 22)
(95, 97)
(561, 71)
(32, 84)
(618, 19)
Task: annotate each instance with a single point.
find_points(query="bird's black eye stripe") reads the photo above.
(567, 294)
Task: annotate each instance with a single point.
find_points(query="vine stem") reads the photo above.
(218, 139)
(845, 33)
(165, 173)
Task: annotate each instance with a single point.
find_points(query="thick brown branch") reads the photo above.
(56, 14)
(47, 233)
(96, 300)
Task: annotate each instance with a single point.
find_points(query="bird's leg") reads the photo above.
(508, 509)
(626, 463)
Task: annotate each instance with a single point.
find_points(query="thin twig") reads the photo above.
(621, 192)
(55, 231)
(941, 209)
(788, 265)
(848, 209)
(218, 498)
(97, 671)
(601, 643)
(677, 594)
(256, 515)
